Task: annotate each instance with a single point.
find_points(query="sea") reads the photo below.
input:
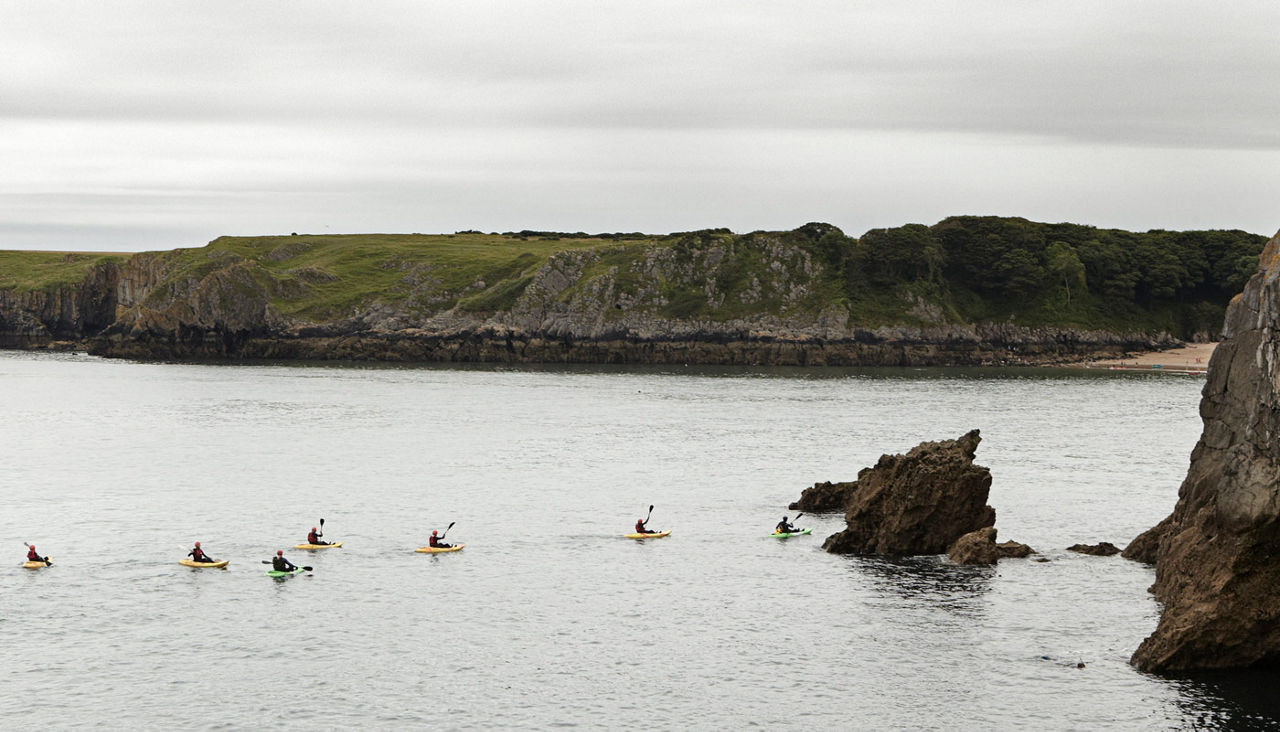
(550, 618)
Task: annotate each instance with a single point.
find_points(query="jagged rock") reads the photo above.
(822, 497)
(1218, 555)
(1101, 549)
(917, 503)
(975, 547)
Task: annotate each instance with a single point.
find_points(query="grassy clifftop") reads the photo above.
(961, 270)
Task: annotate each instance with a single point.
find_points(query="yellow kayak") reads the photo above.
(34, 565)
(334, 545)
(211, 565)
(657, 535)
(438, 549)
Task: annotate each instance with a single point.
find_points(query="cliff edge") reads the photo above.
(1218, 555)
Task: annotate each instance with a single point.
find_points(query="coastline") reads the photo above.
(1192, 358)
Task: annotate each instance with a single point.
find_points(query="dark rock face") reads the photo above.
(1218, 555)
(823, 497)
(1101, 549)
(917, 503)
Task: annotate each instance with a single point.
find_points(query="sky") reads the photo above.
(129, 126)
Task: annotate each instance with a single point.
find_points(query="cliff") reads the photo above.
(811, 296)
(1218, 554)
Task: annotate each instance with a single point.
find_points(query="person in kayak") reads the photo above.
(436, 543)
(641, 529)
(197, 555)
(785, 527)
(280, 564)
(33, 557)
(314, 538)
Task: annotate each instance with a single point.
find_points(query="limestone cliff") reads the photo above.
(710, 297)
(1218, 555)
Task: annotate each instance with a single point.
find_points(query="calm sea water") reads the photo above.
(548, 618)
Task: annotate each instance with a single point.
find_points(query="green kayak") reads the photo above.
(801, 532)
(296, 570)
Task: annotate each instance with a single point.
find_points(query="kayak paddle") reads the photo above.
(450, 526)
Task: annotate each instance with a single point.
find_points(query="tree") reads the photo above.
(1064, 264)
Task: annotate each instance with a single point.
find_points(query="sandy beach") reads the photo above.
(1192, 357)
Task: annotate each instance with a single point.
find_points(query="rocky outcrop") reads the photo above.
(917, 503)
(1218, 555)
(824, 497)
(1014, 550)
(975, 547)
(1101, 549)
(980, 547)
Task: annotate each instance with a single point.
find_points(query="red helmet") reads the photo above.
(197, 543)
(279, 552)
(639, 521)
(433, 533)
(33, 546)
(313, 528)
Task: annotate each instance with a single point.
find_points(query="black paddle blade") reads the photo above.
(306, 569)
(322, 522)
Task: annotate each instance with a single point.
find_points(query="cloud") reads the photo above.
(247, 116)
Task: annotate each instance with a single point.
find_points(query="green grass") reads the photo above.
(32, 271)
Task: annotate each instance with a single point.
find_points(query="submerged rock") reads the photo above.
(1014, 550)
(1218, 555)
(1101, 549)
(917, 503)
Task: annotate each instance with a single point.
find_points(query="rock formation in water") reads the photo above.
(917, 503)
(1101, 549)
(1217, 555)
(980, 547)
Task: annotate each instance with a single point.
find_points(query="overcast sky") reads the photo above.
(152, 125)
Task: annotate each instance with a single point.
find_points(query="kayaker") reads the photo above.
(640, 527)
(436, 543)
(314, 537)
(197, 555)
(785, 527)
(32, 556)
(280, 564)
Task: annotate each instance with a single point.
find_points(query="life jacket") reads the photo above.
(32, 556)
(434, 541)
(312, 538)
(278, 565)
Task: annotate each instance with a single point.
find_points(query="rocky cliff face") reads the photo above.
(710, 299)
(1218, 555)
(917, 503)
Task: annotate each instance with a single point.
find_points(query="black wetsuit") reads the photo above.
(437, 544)
(314, 539)
(198, 555)
(785, 528)
(280, 564)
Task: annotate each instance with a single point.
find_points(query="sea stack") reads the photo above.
(917, 503)
(1218, 555)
